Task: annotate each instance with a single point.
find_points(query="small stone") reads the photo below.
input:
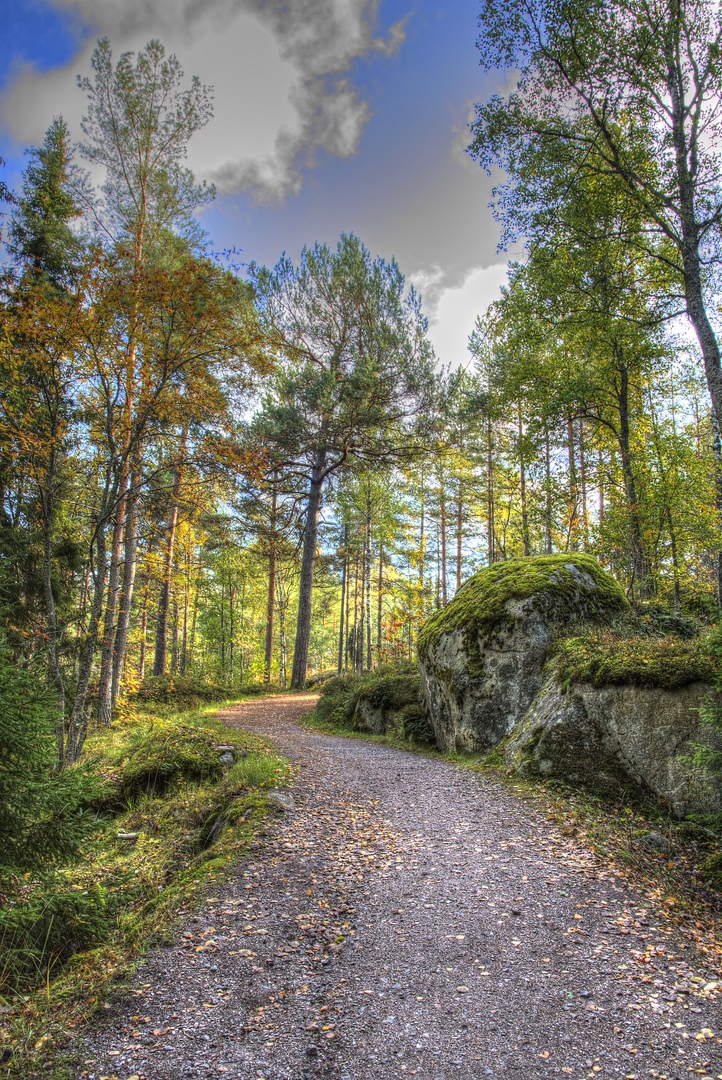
(657, 842)
(227, 758)
(312, 1051)
(280, 798)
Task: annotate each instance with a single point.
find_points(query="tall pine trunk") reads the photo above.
(305, 593)
(161, 630)
(271, 600)
(130, 558)
(111, 607)
(343, 599)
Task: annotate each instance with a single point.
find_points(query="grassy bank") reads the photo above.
(173, 814)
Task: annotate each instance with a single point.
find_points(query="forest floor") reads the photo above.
(412, 918)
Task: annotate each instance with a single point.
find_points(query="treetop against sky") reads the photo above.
(335, 119)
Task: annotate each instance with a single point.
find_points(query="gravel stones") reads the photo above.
(392, 884)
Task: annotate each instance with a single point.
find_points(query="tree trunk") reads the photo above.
(55, 676)
(369, 664)
(79, 717)
(583, 479)
(186, 604)
(144, 615)
(305, 593)
(459, 529)
(717, 450)
(354, 643)
(343, 598)
(635, 528)
(548, 494)
(348, 607)
(380, 599)
(271, 601)
(130, 558)
(161, 630)
(490, 492)
(573, 535)
(443, 544)
(522, 482)
(111, 607)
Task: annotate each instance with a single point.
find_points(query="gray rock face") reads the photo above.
(368, 718)
(481, 659)
(619, 738)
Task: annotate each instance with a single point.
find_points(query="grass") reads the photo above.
(193, 821)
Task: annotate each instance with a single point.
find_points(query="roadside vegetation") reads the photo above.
(163, 804)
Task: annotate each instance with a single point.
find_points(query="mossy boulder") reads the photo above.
(379, 703)
(617, 740)
(167, 755)
(481, 658)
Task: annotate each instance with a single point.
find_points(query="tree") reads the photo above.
(40, 234)
(137, 127)
(621, 94)
(355, 366)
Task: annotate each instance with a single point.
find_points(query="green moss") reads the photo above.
(166, 755)
(479, 608)
(607, 659)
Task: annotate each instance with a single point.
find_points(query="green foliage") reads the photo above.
(480, 606)
(335, 696)
(604, 658)
(392, 689)
(42, 815)
(183, 691)
(40, 234)
(185, 815)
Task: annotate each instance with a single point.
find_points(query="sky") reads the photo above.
(330, 116)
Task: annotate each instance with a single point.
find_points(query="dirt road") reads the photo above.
(408, 918)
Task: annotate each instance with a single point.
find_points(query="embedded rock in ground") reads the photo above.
(614, 740)
(481, 658)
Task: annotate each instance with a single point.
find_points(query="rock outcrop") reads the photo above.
(481, 658)
(488, 681)
(615, 739)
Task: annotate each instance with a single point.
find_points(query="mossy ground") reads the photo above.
(606, 658)
(138, 886)
(479, 608)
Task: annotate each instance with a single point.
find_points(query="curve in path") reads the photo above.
(409, 918)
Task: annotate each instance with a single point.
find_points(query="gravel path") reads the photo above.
(409, 918)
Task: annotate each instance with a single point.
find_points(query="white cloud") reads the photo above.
(279, 71)
(454, 312)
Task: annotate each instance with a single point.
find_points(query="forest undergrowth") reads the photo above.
(171, 821)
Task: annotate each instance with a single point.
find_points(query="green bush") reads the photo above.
(43, 819)
(183, 690)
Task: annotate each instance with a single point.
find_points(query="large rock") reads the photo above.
(481, 658)
(613, 740)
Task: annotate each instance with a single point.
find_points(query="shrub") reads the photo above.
(43, 819)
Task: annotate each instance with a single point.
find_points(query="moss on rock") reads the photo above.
(606, 659)
(573, 581)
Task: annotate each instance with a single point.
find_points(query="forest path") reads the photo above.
(410, 918)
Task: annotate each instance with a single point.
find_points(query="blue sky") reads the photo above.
(344, 117)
